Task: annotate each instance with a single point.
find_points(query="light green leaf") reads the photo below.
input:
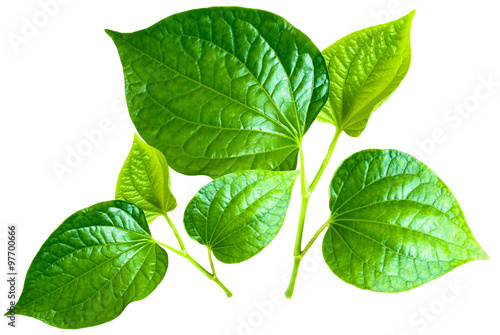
(223, 89)
(145, 181)
(365, 68)
(239, 214)
(394, 224)
(93, 265)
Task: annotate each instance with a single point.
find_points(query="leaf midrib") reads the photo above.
(154, 162)
(392, 200)
(114, 275)
(371, 184)
(211, 126)
(390, 249)
(238, 156)
(92, 269)
(241, 212)
(405, 228)
(146, 238)
(157, 210)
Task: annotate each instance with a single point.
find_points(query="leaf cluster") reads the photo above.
(230, 93)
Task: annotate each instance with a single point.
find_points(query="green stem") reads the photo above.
(199, 267)
(306, 192)
(209, 275)
(183, 252)
(214, 275)
(211, 262)
(293, 278)
(303, 207)
(300, 229)
(176, 233)
(177, 251)
(315, 236)
(325, 161)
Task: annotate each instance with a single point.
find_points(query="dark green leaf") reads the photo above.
(93, 265)
(239, 214)
(365, 68)
(223, 89)
(145, 181)
(394, 225)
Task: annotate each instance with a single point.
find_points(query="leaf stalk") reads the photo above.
(183, 253)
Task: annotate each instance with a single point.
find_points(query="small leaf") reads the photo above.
(93, 265)
(145, 181)
(237, 215)
(223, 89)
(394, 225)
(365, 68)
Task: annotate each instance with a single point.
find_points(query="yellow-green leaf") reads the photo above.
(145, 180)
(365, 68)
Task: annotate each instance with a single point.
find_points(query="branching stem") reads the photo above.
(306, 192)
(183, 253)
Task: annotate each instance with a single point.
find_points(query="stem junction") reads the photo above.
(183, 253)
(306, 191)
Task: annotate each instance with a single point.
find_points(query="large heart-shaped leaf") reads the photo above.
(144, 180)
(239, 214)
(394, 224)
(223, 89)
(365, 68)
(93, 265)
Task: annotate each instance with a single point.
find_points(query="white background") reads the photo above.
(66, 79)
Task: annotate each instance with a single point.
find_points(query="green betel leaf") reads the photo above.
(394, 224)
(223, 89)
(365, 68)
(93, 265)
(145, 181)
(239, 214)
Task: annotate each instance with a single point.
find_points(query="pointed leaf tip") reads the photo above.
(411, 14)
(365, 68)
(109, 32)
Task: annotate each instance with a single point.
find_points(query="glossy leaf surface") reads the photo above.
(394, 224)
(223, 89)
(365, 68)
(145, 180)
(239, 214)
(93, 265)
